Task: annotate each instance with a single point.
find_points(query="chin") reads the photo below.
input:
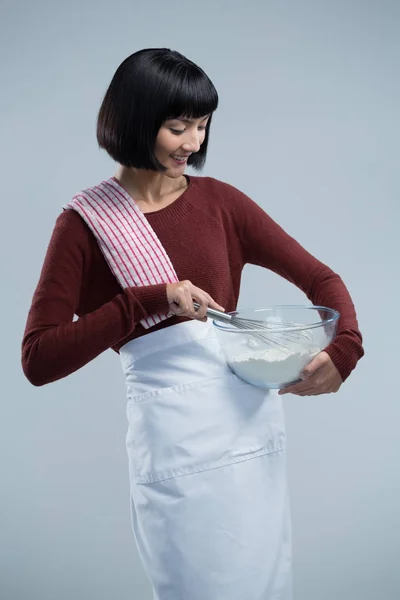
(174, 173)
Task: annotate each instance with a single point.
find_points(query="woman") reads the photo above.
(206, 451)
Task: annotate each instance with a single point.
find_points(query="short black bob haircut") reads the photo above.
(149, 87)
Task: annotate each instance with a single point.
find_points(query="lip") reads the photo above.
(181, 162)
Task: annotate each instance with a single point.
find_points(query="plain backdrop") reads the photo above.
(308, 126)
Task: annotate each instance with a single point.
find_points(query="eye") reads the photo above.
(176, 131)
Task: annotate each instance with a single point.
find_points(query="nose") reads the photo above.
(193, 141)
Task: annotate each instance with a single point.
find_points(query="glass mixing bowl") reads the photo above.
(273, 356)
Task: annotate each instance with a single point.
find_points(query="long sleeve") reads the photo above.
(54, 345)
(266, 244)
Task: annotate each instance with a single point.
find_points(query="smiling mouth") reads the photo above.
(180, 159)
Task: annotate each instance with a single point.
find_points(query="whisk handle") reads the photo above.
(215, 314)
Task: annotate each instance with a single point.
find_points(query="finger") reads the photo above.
(297, 388)
(202, 297)
(311, 391)
(316, 364)
(182, 301)
(316, 391)
(173, 308)
(205, 301)
(297, 392)
(203, 306)
(215, 305)
(307, 393)
(176, 307)
(190, 310)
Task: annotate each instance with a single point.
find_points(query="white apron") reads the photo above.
(209, 497)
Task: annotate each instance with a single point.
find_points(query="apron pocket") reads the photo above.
(201, 425)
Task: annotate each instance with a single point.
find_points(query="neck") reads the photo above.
(148, 187)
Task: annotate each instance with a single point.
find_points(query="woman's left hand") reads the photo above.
(320, 376)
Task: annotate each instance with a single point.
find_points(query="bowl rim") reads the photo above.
(335, 315)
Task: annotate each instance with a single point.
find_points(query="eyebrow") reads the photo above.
(188, 120)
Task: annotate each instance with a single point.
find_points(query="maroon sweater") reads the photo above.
(210, 232)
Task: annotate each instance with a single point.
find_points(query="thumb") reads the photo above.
(312, 366)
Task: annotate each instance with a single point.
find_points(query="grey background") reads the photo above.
(308, 126)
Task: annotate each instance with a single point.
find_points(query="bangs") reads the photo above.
(191, 95)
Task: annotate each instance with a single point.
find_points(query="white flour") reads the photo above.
(272, 367)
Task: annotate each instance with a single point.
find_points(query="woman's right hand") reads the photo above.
(180, 299)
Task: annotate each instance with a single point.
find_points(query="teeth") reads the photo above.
(180, 158)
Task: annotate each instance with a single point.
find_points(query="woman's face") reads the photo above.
(177, 139)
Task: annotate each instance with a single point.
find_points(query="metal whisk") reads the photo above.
(278, 339)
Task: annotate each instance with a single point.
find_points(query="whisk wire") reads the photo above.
(279, 337)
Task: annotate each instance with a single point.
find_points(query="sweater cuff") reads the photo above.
(152, 298)
(345, 353)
